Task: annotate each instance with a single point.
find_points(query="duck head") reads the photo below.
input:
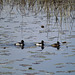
(42, 42)
(22, 42)
(58, 42)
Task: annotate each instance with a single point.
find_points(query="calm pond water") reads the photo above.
(33, 21)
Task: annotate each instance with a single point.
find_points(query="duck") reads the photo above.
(64, 42)
(20, 43)
(40, 44)
(56, 44)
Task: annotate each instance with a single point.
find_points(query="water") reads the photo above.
(20, 23)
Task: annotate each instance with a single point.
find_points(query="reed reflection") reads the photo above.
(57, 12)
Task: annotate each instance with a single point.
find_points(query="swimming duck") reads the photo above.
(20, 43)
(64, 42)
(56, 44)
(40, 44)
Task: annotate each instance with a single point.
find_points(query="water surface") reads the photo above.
(34, 21)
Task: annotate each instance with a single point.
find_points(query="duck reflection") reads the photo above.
(22, 47)
(42, 47)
